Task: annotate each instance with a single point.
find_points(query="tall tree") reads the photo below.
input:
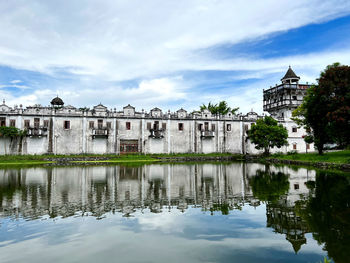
(221, 108)
(267, 133)
(325, 111)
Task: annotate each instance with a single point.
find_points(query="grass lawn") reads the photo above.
(331, 157)
(109, 158)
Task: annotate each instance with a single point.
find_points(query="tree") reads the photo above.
(12, 132)
(269, 186)
(222, 108)
(267, 133)
(325, 111)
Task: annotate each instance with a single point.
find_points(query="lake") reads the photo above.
(234, 212)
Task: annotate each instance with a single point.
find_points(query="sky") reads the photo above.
(162, 53)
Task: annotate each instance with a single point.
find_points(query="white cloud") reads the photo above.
(15, 81)
(121, 40)
(104, 41)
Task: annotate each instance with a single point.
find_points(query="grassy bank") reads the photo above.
(339, 160)
(109, 158)
(338, 157)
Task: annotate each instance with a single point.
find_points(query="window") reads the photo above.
(246, 127)
(26, 123)
(36, 123)
(13, 123)
(66, 125)
(307, 146)
(2, 121)
(228, 127)
(149, 125)
(156, 125)
(99, 124)
(128, 125)
(294, 97)
(200, 126)
(46, 123)
(296, 186)
(213, 127)
(206, 126)
(294, 146)
(181, 126)
(294, 129)
(109, 125)
(164, 126)
(91, 124)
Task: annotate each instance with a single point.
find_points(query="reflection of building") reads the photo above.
(66, 191)
(282, 216)
(63, 191)
(96, 190)
(284, 221)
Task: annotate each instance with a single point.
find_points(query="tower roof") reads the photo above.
(57, 102)
(290, 74)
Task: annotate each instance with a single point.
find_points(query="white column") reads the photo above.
(84, 134)
(143, 134)
(169, 136)
(115, 145)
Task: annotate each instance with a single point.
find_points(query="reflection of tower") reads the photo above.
(284, 221)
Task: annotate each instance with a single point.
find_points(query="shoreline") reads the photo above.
(67, 160)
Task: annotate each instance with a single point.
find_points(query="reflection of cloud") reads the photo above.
(90, 240)
(167, 222)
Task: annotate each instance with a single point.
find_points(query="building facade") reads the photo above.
(60, 129)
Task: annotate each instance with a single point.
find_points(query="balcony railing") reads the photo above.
(156, 133)
(287, 86)
(286, 102)
(207, 134)
(36, 131)
(101, 132)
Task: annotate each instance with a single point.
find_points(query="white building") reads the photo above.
(59, 129)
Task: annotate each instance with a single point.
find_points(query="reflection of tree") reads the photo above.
(269, 186)
(224, 208)
(328, 214)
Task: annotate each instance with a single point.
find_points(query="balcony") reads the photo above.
(156, 133)
(207, 134)
(280, 104)
(101, 132)
(36, 131)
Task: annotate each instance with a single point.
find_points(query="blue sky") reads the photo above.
(164, 53)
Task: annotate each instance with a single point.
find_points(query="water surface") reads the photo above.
(175, 213)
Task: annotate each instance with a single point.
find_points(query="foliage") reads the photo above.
(222, 108)
(269, 186)
(325, 111)
(267, 133)
(224, 208)
(326, 260)
(11, 132)
(327, 214)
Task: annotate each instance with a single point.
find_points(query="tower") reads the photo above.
(282, 99)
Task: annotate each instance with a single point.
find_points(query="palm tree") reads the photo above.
(222, 108)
